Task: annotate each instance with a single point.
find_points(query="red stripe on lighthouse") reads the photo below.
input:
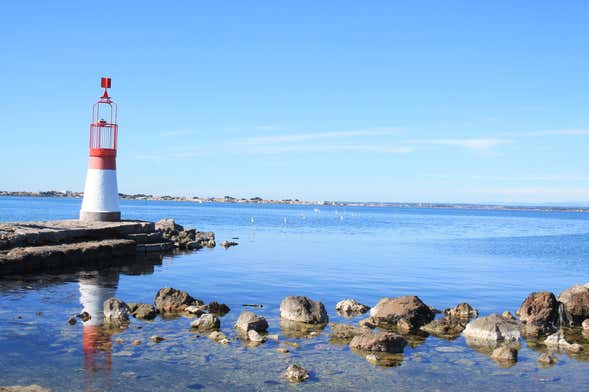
(102, 163)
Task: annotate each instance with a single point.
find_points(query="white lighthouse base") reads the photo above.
(101, 197)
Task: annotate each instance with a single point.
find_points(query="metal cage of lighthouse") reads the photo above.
(104, 127)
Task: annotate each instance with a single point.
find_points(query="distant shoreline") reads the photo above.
(258, 200)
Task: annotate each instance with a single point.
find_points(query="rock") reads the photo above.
(206, 322)
(585, 325)
(445, 327)
(462, 311)
(168, 225)
(343, 333)
(507, 315)
(194, 245)
(576, 303)
(367, 323)
(303, 309)
(228, 244)
(505, 355)
(220, 309)
(195, 310)
(282, 350)
(115, 312)
(538, 313)
(557, 341)
(490, 330)
(219, 337)
(136, 342)
(84, 316)
(254, 336)
(273, 337)
(351, 307)
(295, 373)
(170, 300)
(547, 359)
(24, 388)
(249, 321)
(142, 311)
(156, 339)
(119, 341)
(372, 359)
(405, 314)
(387, 342)
(575, 348)
(383, 359)
(72, 320)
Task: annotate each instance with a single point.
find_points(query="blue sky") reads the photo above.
(389, 101)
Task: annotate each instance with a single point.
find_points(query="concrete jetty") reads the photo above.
(53, 245)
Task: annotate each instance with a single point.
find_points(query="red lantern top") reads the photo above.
(104, 128)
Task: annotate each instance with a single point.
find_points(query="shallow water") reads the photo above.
(491, 259)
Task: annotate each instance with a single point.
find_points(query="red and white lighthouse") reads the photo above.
(101, 194)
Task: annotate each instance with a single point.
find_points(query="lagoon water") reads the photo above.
(491, 259)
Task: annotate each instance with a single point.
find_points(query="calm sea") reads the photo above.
(491, 259)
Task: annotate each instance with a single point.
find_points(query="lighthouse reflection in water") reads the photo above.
(96, 287)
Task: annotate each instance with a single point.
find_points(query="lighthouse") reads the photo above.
(101, 194)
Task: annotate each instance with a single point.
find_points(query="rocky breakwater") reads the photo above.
(55, 246)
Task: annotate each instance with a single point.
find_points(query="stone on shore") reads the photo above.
(538, 313)
(304, 310)
(170, 300)
(142, 310)
(405, 314)
(386, 342)
(351, 307)
(585, 325)
(576, 303)
(462, 311)
(248, 321)
(116, 312)
(206, 322)
(491, 330)
(295, 374)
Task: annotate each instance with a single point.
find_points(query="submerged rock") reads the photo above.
(351, 307)
(296, 373)
(115, 311)
(386, 342)
(219, 337)
(254, 336)
(343, 333)
(462, 311)
(296, 330)
(24, 388)
(547, 359)
(249, 321)
(505, 356)
(557, 341)
(304, 310)
(445, 327)
(406, 314)
(576, 303)
(491, 330)
(156, 339)
(538, 313)
(142, 310)
(228, 244)
(384, 359)
(206, 322)
(170, 300)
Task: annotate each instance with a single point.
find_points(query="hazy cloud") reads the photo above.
(473, 144)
